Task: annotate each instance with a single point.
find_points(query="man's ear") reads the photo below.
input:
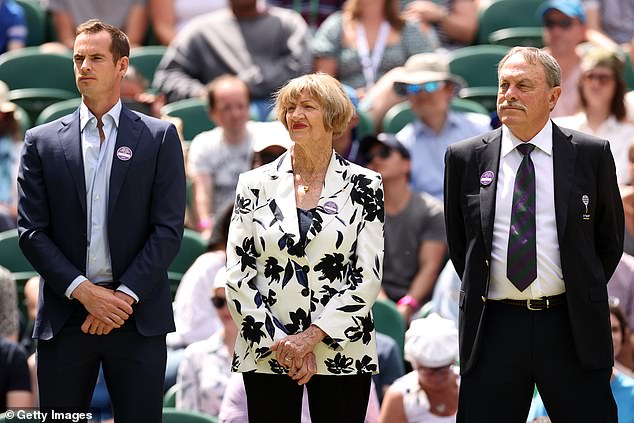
(554, 96)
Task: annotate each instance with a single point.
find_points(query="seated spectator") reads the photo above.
(429, 393)
(9, 319)
(391, 366)
(128, 15)
(622, 385)
(564, 29)
(13, 29)
(314, 12)
(205, 370)
(429, 86)
(347, 144)
(601, 93)
(613, 18)
(10, 145)
(234, 404)
(15, 382)
(368, 38)
(621, 290)
(265, 150)
(414, 228)
(217, 157)
(134, 94)
(455, 21)
(168, 17)
(447, 293)
(264, 47)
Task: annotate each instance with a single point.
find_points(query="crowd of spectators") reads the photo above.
(235, 54)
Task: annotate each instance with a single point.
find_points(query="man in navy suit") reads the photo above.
(101, 209)
(535, 230)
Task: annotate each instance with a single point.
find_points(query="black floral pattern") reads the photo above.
(272, 269)
(251, 330)
(362, 330)
(331, 267)
(340, 364)
(247, 254)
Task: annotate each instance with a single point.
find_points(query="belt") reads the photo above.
(537, 304)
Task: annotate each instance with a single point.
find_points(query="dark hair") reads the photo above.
(221, 229)
(617, 106)
(213, 86)
(120, 44)
(391, 11)
(617, 311)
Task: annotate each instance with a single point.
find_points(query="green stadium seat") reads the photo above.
(193, 112)
(477, 65)
(389, 321)
(485, 96)
(23, 118)
(32, 68)
(501, 14)
(35, 100)
(12, 259)
(401, 114)
(146, 60)
(174, 415)
(193, 246)
(57, 110)
(629, 72)
(169, 399)
(366, 126)
(529, 36)
(35, 18)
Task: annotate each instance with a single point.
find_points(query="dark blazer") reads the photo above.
(145, 216)
(590, 248)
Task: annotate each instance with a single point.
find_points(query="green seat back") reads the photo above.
(193, 246)
(485, 96)
(501, 14)
(629, 72)
(35, 18)
(477, 65)
(169, 399)
(146, 59)
(32, 68)
(530, 36)
(35, 100)
(57, 110)
(389, 321)
(193, 113)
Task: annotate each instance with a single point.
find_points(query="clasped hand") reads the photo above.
(296, 353)
(107, 309)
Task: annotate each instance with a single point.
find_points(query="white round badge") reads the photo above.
(124, 153)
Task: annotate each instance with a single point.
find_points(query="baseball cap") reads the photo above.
(571, 8)
(432, 342)
(383, 138)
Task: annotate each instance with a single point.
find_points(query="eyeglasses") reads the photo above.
(218, 302)
(404, 89)
(561, 23)
(383, 152)
(601, 78)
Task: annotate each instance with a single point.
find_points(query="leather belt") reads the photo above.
(537, 304)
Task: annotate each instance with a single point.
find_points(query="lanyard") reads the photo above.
(371, 64)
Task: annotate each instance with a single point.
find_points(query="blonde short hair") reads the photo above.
(327, 91)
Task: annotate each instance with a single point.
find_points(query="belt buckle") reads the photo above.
(530, 306)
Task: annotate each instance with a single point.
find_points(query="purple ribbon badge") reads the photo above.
(124, 153)
(331, 207)
(486, 178)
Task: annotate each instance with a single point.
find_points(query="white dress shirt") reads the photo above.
(549, 279)
(97, 157)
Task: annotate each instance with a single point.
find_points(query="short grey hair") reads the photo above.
(533, 56)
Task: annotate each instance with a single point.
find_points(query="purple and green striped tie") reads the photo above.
(521, 264)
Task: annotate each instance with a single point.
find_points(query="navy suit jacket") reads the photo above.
(145, 216)
(590, 244)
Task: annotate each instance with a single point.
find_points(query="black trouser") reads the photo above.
(332, 399)
(133, 367)
(521, 348)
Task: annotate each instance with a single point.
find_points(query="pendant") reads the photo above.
(305, 188)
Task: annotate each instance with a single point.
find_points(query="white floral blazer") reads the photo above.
(277, 286)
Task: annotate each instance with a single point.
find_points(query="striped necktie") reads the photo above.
(521, 264)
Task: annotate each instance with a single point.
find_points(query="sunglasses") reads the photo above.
(561, 23)
(218, 302)
(404, 89)
(601, 78)
(382, 152)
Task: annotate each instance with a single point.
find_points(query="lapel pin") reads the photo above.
(124, 153)
(586, 201)
(331, 207)
(486, 178)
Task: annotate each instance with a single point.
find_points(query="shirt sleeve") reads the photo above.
(327, 39)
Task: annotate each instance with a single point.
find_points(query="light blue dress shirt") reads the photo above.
(428, 148)
(98, 158)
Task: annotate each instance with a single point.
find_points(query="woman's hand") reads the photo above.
(308, 368)
(291, 350)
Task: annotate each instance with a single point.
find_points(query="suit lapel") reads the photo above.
(334, 195)
(127, 136)
(70, 139)
(488, 159)
(281, 188)
(564, 158)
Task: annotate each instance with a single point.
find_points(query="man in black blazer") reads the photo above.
(534, 252)
(101, 209)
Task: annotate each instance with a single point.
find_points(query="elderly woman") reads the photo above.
(428, 394)
(602, 92)
(304, 265)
